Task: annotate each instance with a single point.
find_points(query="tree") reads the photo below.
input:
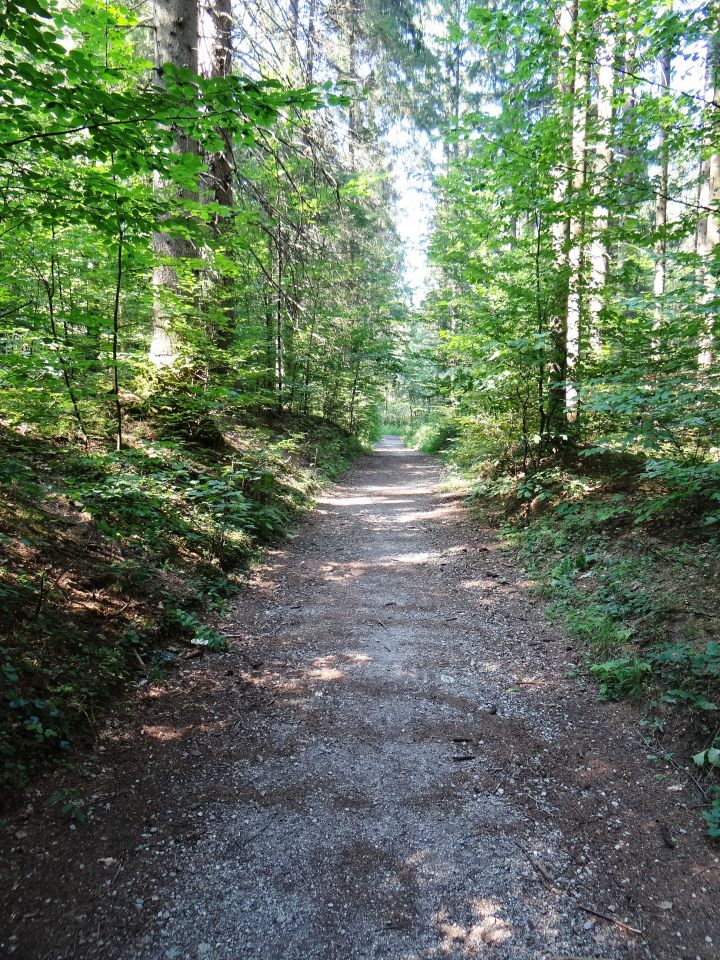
(708, 231)
(175, 27)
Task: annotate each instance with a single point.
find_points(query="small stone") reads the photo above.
(203, 949)
(665, 905)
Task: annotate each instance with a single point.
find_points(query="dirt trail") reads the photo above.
(396, 760)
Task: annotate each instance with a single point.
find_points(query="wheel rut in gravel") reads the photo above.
(399, 758)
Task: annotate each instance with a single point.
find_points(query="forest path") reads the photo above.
(396, 760)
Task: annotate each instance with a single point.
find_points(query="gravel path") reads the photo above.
(399, 759)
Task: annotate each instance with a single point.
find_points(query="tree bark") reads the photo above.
(175, 25)
(215, 62)
(708, 232)
(661, 206)
(599, 255)
(560, 229)
(310, 48)
(575, 253)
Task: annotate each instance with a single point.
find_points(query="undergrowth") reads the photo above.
(110, 561)
(627, 560)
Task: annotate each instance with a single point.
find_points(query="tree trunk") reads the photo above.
(293, 32)
(708, 232)
(310, 48)
(560, 229)
(599, 257)
(575, 254)
(352, 71)
(215, 62)
(175, 25)
(659, 277)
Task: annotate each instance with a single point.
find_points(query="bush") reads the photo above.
(432, 436)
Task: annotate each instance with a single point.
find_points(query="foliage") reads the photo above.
(113, 560)
(199, 305)
(621, 678)
(568, 346)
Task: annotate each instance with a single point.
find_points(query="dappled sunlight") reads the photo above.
(489, 929)
(348, 501)
(327, 668)
(415, 558)
(437, 513)
(327, 673)
(358, 658)
(330, 668)
(166, 733)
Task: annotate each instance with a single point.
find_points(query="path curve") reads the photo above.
(399, 759)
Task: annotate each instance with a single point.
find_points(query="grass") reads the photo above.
(111, 561)
(641, 600)
(626, 566)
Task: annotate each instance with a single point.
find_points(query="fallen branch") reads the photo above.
(610, 919)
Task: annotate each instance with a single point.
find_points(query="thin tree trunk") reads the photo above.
(660, 272)
(294, 32)
(310, 48)
(352, 70)
(115, 331)
(50, 291)
(708, 233)
(599, 256)
(575, 253)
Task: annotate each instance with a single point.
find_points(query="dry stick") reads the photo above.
(610, 919)
(595, 913)
(36, 613)
(536, 865)
(116, 613)
(573, 956)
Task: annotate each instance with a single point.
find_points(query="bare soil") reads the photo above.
(398, 758)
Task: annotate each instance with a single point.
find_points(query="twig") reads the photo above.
(258, 833)
(36, 613)
(536, 865)
(610, 919)
(123, 608)
(574, 956)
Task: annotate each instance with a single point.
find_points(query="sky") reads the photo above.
(413, 155)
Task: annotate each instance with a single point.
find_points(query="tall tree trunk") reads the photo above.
(560, 230)
(352, 70)
(708, 232)
(575, 253)
(310, 47)
(215, 62)
(175, 25)
(294, 32)
(599, 255)
(661, 206)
